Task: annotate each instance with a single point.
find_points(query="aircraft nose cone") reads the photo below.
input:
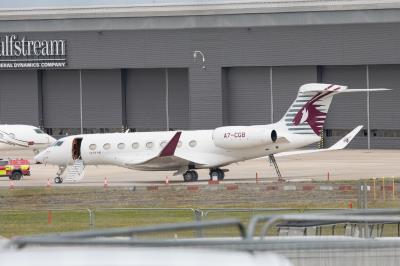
(51, 140)
(40, 157)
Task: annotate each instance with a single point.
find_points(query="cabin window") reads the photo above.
(121, 146)
(192, 143)
(135, 145)
(149, 145)
(92, 147)
(1, 136)
(107, 146)
(179, 144)
(163, 143)
(12, 135)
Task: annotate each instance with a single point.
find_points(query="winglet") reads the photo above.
(341, 144)
(170, 148)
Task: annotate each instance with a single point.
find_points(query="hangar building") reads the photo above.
(199, 65)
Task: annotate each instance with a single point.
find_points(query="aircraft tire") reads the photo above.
(188, 176)
(217, 174)
(221, 175)
(58, 180)
(195, 176)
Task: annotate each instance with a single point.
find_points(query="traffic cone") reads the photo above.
(11, 184)
(105, 183)
(48, 185)
(166, 180)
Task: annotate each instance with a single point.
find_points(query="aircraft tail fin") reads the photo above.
(308, 112)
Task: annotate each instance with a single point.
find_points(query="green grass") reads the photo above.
(21, 216)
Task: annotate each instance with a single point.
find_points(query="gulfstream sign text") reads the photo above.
(24, 53)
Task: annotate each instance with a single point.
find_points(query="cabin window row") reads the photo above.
(136, 145)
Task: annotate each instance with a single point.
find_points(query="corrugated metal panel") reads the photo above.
(205, 97)
(384, 108)
(19, 97)
(101, 96)
(178, 97)
(145, 99)
(61, 104)
(286, 82)
(248, 93)
(348, 109)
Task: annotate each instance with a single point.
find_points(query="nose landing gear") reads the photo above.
(58, 179)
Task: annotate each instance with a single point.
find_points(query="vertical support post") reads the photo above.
(393, 189)
(123, 99)
(365, 195)
(272, 95)
(383, 189)
(91, 219)
(368, 110)
(374, 187)
(40, 98)
(198, 214)
(167, 98)
(80, 99)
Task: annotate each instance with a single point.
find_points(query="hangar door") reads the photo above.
(61, 99)
(146, 102)
(19, 97)
(101, 98)
(384, 106)
(347, 110)
(261, 95)
(286, 82)
(246, 95)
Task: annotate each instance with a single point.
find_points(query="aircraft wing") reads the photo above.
(166, 152)
(341, 144)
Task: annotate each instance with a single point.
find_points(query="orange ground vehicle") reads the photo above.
(14, 169)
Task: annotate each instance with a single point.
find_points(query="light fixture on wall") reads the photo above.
(202, 57)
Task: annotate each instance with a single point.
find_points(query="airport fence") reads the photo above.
(18, 222)
(300, 250)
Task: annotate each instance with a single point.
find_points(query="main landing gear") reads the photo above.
(190, 176)
(58, 179)
(217, 173)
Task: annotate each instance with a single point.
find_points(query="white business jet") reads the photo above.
(24, 137)
(186, 151)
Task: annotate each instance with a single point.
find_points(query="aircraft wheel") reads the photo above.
(217, 174)
(195, 175)
(58, 180)
(190, 176)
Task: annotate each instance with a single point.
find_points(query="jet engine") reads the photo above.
(242, 137)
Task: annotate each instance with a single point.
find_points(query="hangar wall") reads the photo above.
(124, 81)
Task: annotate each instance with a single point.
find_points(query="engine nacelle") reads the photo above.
(242, 137)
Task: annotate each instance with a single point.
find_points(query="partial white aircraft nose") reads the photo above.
(51, 140)
(41, 156)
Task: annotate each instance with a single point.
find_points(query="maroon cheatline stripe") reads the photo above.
(170, 148)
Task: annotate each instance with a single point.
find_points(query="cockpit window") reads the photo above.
(39, 131)
(58, 143)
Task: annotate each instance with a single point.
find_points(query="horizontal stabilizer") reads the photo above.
(366, 90)
(341, 144)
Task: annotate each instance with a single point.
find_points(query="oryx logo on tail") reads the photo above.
(311, 112)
